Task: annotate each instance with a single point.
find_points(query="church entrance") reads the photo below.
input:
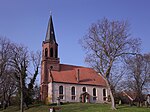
(85, 97)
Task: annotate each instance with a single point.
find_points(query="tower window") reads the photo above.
(51, 52)
(73, 93)
(61, 92)
(46, 52)
(56, 53)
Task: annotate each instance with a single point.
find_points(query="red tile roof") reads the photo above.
(68, 74)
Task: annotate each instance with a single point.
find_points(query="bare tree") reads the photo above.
(35, 61)
(21, 62)
(8, 87)
(15, 71)
(106, 43)
(138, 75)
(5, 54)
(116, 77)
(7, 84)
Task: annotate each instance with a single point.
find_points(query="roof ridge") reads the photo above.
(75, 66)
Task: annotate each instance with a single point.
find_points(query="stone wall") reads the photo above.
(53, 91)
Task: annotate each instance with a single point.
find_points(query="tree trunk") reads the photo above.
(21, 102)
(139, 104)
(4, 101)
(9, 103)
(21, 94)
(113, 106)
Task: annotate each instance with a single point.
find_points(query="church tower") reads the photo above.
(50, 60)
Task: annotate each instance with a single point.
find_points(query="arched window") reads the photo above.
(73, 93)
(94, 93)
(84, 89)
(46, 52)
(56, 53)
(61, 92)
(104, 94)
(51, 52)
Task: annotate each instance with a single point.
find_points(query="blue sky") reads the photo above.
(25, 21)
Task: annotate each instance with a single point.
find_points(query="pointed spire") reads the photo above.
(50, 34)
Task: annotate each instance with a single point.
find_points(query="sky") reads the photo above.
(25, 22)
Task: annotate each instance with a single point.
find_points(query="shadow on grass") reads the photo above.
(123, 106)
(35, 105)
(10, 109)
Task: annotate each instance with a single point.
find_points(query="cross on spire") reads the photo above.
(50, 12)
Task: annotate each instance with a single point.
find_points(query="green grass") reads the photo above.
(81, 107)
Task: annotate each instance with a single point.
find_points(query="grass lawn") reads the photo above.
(80, 107)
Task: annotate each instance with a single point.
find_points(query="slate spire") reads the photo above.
(50, 34)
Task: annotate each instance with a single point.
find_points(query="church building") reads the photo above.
(69, 83)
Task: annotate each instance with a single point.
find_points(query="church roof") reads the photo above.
(50, 34)
(69, 74)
